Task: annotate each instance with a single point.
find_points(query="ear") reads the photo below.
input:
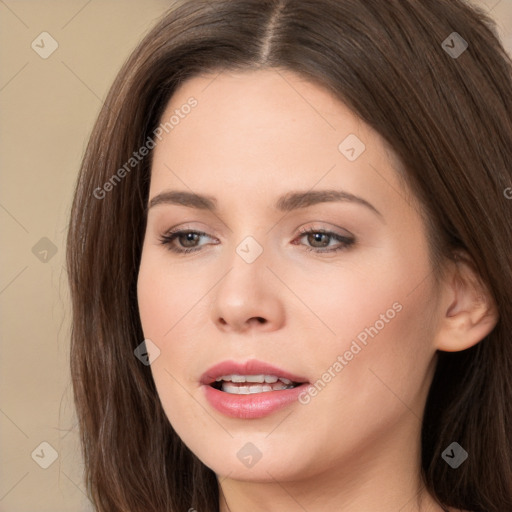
(468, 311)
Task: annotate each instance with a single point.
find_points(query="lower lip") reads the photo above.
(251, 406)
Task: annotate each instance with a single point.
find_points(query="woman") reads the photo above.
(290, 266)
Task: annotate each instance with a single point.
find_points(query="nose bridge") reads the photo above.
(250, 250)
(246, 292)
(248, 266)
(250, 235)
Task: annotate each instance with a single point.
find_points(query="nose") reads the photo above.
(248, 297)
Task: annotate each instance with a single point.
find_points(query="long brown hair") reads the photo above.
(449, 119)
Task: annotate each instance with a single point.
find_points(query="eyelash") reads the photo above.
(346, 242)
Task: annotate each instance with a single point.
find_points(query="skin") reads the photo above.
(355, 446)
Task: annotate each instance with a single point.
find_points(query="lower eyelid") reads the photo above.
(343, 243)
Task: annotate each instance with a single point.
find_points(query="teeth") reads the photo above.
(253, 378)
(229, 387)
(270, 379)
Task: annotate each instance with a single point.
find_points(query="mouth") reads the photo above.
(250, 377)
(250, 390)
(251, 384)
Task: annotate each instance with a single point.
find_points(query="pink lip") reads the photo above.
(256, 405)
(251, 367)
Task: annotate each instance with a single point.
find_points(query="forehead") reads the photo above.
(265, 101)
(247, 128)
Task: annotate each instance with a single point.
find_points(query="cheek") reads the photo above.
(356, 296)
(377, 330)
(381, 354)
(164, 295)
(171, 313)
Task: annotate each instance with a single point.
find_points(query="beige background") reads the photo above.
(48, 107)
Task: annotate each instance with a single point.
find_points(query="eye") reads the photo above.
(320, 239)
(187, 239)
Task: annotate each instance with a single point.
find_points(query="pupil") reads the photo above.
(318, 236)
(189, 237)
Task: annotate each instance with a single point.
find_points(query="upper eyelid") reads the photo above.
(301, 230)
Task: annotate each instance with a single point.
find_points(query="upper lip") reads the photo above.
(250, 367)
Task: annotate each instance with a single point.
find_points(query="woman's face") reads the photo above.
(351, 311)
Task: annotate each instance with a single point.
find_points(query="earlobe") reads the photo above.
(468, 311)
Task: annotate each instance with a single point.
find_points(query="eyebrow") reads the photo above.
(288, 202)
